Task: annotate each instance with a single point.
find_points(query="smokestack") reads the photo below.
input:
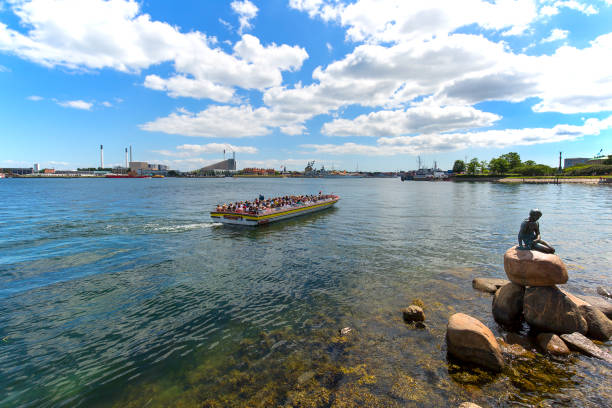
(101, 156)
(126, 158)
(131, 153)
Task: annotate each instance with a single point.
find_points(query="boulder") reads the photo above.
(413, 313)
(599, 303)
(579, 342)
(607, 292)
(469, 340)
(469, 405)
(508, 304)
(533, 268)
(489, 285)
(549, 310)
(552, 344)
(599, 327)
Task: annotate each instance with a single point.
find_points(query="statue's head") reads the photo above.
(535, 214)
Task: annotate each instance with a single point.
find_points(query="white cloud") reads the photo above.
(35, 98)
(556, 34)
(78, 104)
(553, 9)
(590, 87)
(224, 122)
(400, 20)
(389, 146)
(58, 163)
(330, 48)
(4, 69)
(216, 148)
(115, 34)
(419, 119)
(377, 75)
(246, 12)
(107, 104)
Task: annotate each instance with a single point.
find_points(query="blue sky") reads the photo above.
(364, 83)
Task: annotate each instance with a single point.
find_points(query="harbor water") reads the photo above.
(124, 293)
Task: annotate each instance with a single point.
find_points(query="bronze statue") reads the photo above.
(529, 234)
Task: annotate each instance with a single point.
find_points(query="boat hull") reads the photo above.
(255, 220)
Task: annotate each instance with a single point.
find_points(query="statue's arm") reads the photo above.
(520, 233)
(537, 231)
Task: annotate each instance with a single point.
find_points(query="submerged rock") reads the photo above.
(508, 304)
(533, 268)
(579, 342)
(467, 339)
(345, 331)
(600, 303)
(552, 344)
(607, 292)
(550, 310)
(413, 313)
(524, 341)
(489, 285)
(515, 350)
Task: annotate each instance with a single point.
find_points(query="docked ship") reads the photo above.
(112, 175)
(273, 214)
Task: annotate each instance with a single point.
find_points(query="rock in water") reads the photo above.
(413, 313)
(533, 268)
(602, 304)
(469, 405)
(604, 292)
(469, 340)
(550, 310)
(586, 346)
(552, 344)
(508, 304)
(489, 285)
(599, 326)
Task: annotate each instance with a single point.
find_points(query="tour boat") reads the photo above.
(272, 215)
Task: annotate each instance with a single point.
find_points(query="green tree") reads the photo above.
(499, 165)
(472, 166)
(513, 159)
(608, 160)
(483, 166)
(529, 163)
(459, 166)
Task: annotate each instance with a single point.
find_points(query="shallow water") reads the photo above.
(124, 293)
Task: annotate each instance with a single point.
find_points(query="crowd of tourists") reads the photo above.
(261, 205)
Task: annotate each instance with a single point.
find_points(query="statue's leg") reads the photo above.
(547, 245)
(543, 248)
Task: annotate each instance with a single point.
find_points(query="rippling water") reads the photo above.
(124, 293)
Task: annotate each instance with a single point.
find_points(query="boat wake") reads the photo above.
(156, 228)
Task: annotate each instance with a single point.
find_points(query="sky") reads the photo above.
(350, 84)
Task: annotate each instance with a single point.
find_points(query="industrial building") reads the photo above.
(17, 170)
(222, 167)
(570, 162)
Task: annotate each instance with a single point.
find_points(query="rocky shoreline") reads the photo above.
(538, 316)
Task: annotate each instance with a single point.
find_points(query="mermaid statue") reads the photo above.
(529, 234)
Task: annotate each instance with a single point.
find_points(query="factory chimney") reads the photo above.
(101, 156)
(126, 158)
